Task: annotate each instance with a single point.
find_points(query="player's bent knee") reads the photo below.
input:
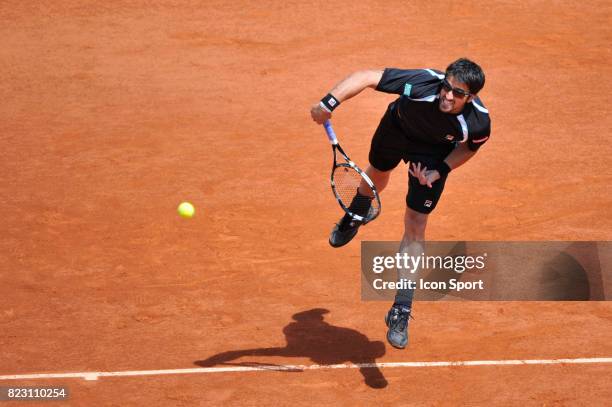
(380, 178)
(414, 224)
(417, 220)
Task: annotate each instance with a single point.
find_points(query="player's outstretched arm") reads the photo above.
(344, 90)
(355, 83)
(459, 156)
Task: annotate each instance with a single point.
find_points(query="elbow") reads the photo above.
(368, 78)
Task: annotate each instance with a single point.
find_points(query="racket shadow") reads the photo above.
(308, 335)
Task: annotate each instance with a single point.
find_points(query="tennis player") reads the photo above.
(436, 125)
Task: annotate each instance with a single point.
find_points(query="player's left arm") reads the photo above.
(465, 151)
(459, 156)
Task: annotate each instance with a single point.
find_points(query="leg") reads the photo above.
(414, 226)
(347, 228)
(420, 201)
(379, 178)
(385, 154)
(412, 244)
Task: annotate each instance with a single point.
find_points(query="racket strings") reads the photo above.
(346, 184)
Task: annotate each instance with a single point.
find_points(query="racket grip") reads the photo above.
(330, 132)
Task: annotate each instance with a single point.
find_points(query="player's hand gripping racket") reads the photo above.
(346, 178)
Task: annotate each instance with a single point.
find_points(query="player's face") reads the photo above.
(453, 96)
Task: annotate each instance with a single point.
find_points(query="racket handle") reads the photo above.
(330, 132)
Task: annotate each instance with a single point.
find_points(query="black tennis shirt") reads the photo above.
(420, 116)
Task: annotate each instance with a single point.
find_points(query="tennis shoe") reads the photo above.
(344, 231)
(397, 321)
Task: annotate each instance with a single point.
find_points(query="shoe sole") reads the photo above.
(389, 340)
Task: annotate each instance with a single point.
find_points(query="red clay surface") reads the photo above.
(112, 114)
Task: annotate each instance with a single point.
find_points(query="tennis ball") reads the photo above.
(186, 210)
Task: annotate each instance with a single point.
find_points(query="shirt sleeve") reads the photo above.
(407, 82)
(482, 128)
(477, 140)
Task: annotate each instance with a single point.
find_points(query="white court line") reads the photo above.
(201, 370)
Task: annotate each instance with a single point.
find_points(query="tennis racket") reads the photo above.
(346, 178)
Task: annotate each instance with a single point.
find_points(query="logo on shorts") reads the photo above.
(449, 137)
(428, 203)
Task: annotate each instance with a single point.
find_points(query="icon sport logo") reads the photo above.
(428, 203)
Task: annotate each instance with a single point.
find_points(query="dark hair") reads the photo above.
(468, 72)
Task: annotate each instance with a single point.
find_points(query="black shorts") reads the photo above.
(390, 145)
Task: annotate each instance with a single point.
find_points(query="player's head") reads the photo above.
(463, 80)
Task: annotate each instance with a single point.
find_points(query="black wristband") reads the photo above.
(443, 169)
(329, 102)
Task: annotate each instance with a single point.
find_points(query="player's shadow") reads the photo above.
(310, 336)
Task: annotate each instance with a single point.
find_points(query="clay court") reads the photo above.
(114, 113)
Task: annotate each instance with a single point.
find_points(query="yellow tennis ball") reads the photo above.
(186, 210)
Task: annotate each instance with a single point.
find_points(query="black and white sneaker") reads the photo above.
(344, 231)
(397, 321)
